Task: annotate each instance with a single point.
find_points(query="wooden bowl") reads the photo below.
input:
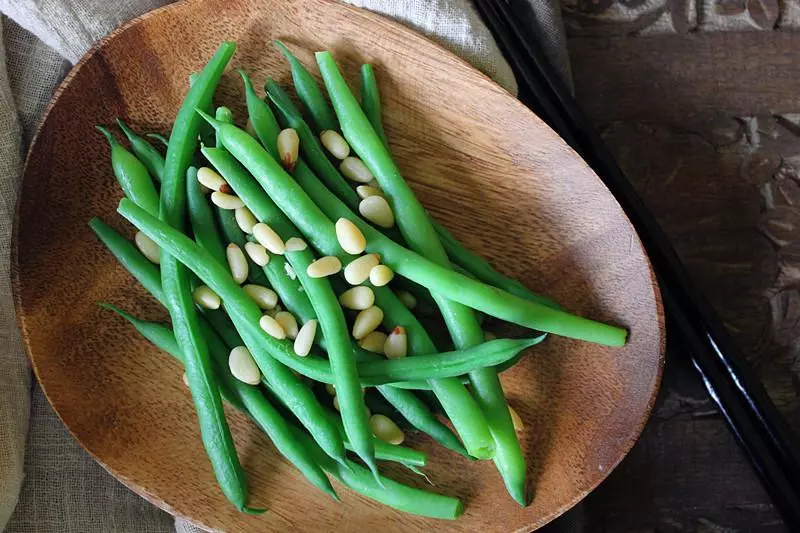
(485, 166)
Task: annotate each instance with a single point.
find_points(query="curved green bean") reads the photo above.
(459, 405)
(371, 101)
(387, 491)
(131, 174)
(159, 137)
(461, 408)
(457, 252)
(223, 114)
(201, 218)
(340, 355)
(245, 314)
(319, 162)
(244, 397)
(310, 93)
(261, 117)
(313, 222)
(176, 284)
(144, 151)
(162, 338)
(418, 230)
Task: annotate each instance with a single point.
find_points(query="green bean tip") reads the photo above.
(252, 510)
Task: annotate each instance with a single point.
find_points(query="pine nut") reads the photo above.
(324, 266)
(366, 322)
(350, 237)
(245, 219)
(357, 298)
(516, 420)
(265, 297)
(267, 238)
(408, 299)
(185, 379)
(335, 144)
(365, 191)
(385, 429)
(357, 271)
(224, 200)
(237, 262)
(396, 345)
(288, 148)
(305, 338)
(210, 179)
(272, 327)
(243, 366)
(206, 298)
(296, 244)
(373, 342)
(288, 322)
(354, 169)
(331, 388)
(376, 209)
(148, 247)
(257, 253)
(380, 275)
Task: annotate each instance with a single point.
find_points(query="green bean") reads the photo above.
(130, 258)
(245, 314)
(206, 134)
(131, 174)
(269, 420)
(223, 114)
(371, 101)
(310, 145)
(144, 151)
(147, 274)
(319, 162)
(163, 339)
(201, 218)
(457, 252)
(177, 289)
(297, 301)
(159, 137)
(261, 117)
(460, 407)
(388, 492)
(416, 227)
(318, 228)
(341, 356)
(310, 93)
(246, 398)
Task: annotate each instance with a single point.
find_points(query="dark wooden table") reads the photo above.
(707, 125)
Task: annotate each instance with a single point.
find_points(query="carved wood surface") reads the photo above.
(707, 127)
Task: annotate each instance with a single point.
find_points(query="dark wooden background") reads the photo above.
(700, 103)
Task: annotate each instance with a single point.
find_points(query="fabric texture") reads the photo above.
(48, 483)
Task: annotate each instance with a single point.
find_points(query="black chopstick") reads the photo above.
(758, 426)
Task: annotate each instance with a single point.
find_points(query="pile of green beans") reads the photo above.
(241, 348)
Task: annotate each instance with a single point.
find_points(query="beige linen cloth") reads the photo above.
(47, 481)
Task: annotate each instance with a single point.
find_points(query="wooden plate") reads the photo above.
(484, 165)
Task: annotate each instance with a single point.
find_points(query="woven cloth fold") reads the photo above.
(48, 483)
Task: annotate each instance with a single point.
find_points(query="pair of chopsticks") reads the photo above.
(758, 426)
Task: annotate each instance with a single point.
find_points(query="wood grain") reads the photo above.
(714, 153)
(486, 167)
